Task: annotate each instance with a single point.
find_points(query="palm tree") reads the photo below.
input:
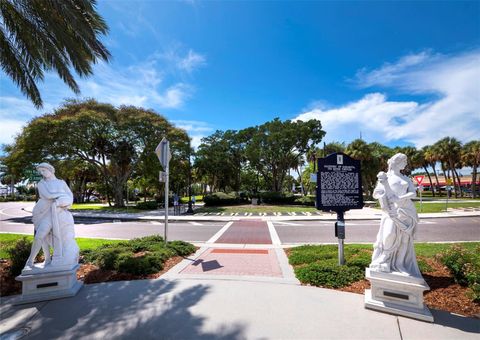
(41, 35)
(360, 150)
(425, 162)
(449, 153)
(471, 157)
(431, 157)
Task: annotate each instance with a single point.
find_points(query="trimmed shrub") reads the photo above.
(223, 199)
(148, 205)
(146, 243)
(464, 265)
(271, 197)
(140, 265)
(328, 274)
(106, 258)
(305, 200)
(181, 248)
(308, 254)
(19, 254)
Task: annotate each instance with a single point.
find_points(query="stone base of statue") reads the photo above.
(397, 294)
(40, 284)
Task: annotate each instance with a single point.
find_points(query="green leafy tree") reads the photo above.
(275, 147)
(44, 35)
(116, 141)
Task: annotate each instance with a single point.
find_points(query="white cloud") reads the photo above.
(191, 61)
(9, 128)
(196, 130)
(455, 111)
(149, 83)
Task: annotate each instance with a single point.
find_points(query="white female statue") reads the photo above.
(53, 223)
(393, 249)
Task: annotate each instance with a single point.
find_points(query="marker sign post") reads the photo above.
(448, 187)
(419, 180)
(339, 188)
(163, 153)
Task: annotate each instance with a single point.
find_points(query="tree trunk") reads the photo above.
(474, 182)
(459, 182)
(436, 178)
(301, 181)
(430, 180)
(12, 187)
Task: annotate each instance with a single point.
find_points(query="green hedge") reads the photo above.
(464, 264)
(329, 274)
(272, 197)
(222, 199)
(140, 256)
(148, 205)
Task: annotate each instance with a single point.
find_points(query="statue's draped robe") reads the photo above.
(401, 255)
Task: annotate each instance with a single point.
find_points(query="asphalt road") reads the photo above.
(15, 220)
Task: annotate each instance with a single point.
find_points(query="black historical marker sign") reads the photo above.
(339, 183)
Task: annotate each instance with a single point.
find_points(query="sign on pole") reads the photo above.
(339, 188)
(419, 179)
(163, 153)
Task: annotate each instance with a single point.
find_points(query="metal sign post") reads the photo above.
(419, 180)
(163, 153)
(448, 187)
(339, 188)
(340, 233)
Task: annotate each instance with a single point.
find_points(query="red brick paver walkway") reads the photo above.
(247, 232)
(239, 262)
(254, 262)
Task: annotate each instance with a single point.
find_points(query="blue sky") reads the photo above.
(396, 72)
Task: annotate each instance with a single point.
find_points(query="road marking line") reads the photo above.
(273, 234)
(220, 233)
(195, 223)
(155, 222)
(287, 223)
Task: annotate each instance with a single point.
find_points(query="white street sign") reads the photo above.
(163, 152)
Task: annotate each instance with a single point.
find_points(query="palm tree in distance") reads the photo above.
(425, 157)
(44, 35)
(449, 154)
(471, 157)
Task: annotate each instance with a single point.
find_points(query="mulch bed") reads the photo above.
(88, 273)
(444, 293)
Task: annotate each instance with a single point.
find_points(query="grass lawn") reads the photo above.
(255, 209)
(8, 240)
(431, 207)
(100, 207)
(198, 198)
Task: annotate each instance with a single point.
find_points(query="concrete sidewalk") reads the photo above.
(219, 309)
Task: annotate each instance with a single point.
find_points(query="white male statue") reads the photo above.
(53, 224)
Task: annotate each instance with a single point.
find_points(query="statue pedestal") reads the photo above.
(49, 284)
(397, 294)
